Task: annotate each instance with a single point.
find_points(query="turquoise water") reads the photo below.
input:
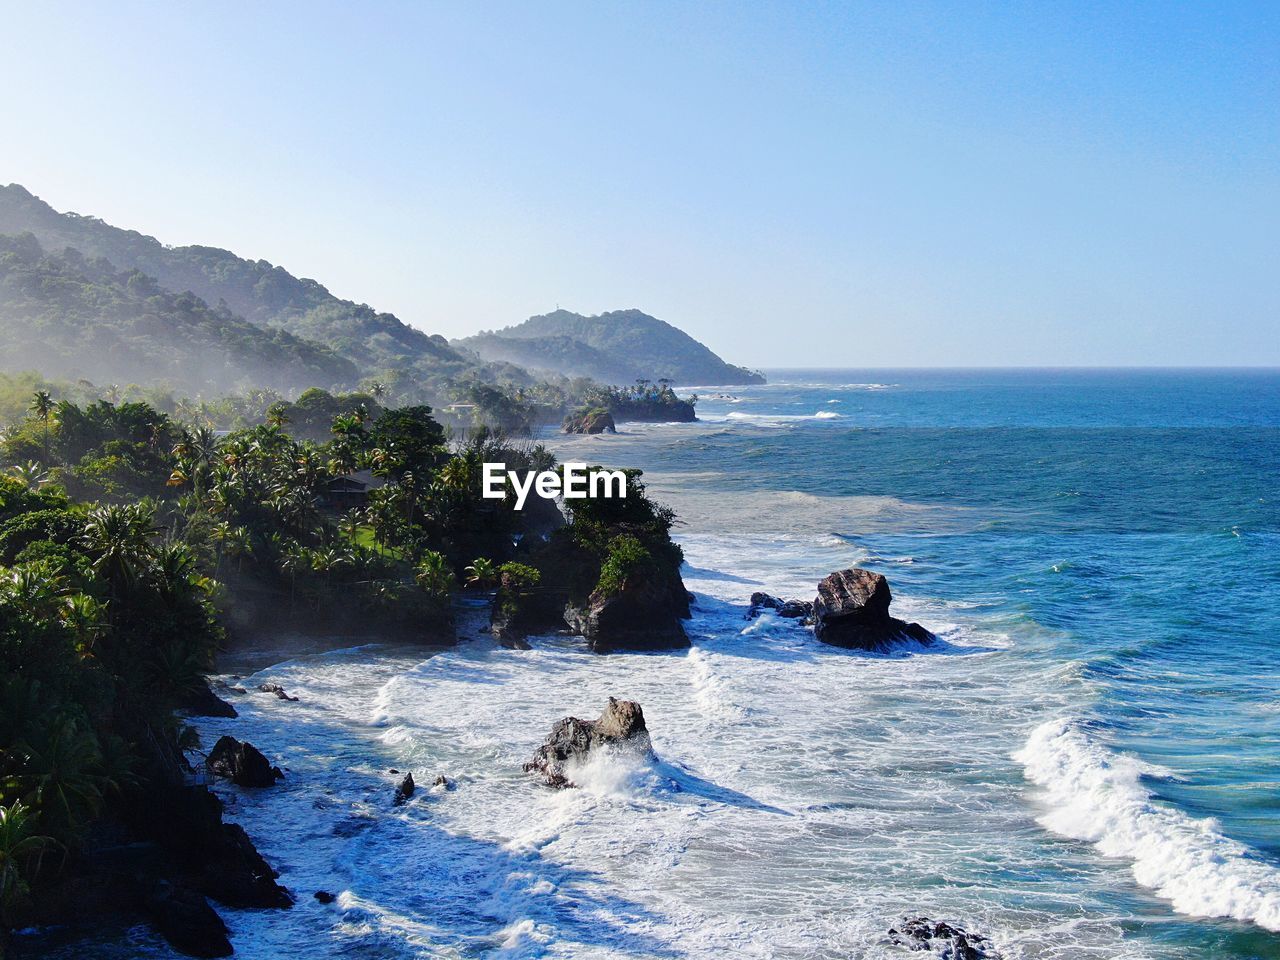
(1132, 517)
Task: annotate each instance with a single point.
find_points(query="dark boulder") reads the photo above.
(324, 896)
(595, 420)
(644, 615)
(236, 874)
(185, 919)
(405, 789)
(852, 610)
(445, 782)
(942, 939)
(620, 726)
(791, 609)
(278, 690)
(242, 763)
(201, 701)
(521, 611)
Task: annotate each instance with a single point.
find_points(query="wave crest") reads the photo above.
(1097, 795)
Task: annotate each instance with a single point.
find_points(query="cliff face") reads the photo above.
(618, 347)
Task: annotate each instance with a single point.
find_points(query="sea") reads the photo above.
(1085, 765)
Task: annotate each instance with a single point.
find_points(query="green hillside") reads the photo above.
(616, 347)
(74, 317)
(265, 294)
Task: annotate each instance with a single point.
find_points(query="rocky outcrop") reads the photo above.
(791, 609)
(242, 763)
(185, 919)
(852, 610)
(278, 690)
(620, 726)
(942, 939)
(404, 790)
(644, 615)
(201, 701)
(217, 858)
(595, 420)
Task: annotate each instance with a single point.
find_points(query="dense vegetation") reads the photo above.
(133, 544)
(616, 347)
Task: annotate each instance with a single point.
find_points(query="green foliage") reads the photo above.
(434, 575)
(482, 574)
(626, 558)
(518, 576)
(20, 852)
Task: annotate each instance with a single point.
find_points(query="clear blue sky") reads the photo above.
(861, 184)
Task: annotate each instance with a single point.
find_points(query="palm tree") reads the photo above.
(433, 575)
(87, 619)
(63, 775)
(42, 406)
(18, 847)
(482, 574)
(31, 474)
(118, 538)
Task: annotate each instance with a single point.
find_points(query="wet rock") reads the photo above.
(405, 790)
(185, 919)
(620, 726)
(944, 940)
(852, 610)
(278, 690)
(791, 609)
(201, 701)
(443, 781)
(644, 615)
(242, 763)
(324, 896)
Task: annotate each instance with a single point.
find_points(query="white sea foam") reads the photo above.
(1097, 795)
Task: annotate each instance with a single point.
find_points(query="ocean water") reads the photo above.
(1086, 765)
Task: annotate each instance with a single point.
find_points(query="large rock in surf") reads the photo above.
(942, 939)
(644, 615)
(852, 610)
(620, 726)
(242, 763)
(598, 420)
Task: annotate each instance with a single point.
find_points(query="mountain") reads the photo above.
(258, 291)
(70, 316)
(617, 347)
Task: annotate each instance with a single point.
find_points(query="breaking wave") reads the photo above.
(1097, 795)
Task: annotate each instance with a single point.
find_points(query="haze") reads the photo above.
(936, 184)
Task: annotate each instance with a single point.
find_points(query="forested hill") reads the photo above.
(75, 317)
(265, 294)
(615, 347)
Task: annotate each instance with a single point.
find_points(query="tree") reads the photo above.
(19, 846)
(42, 406)
(434, 576)
(118, 538)
(482, 574)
